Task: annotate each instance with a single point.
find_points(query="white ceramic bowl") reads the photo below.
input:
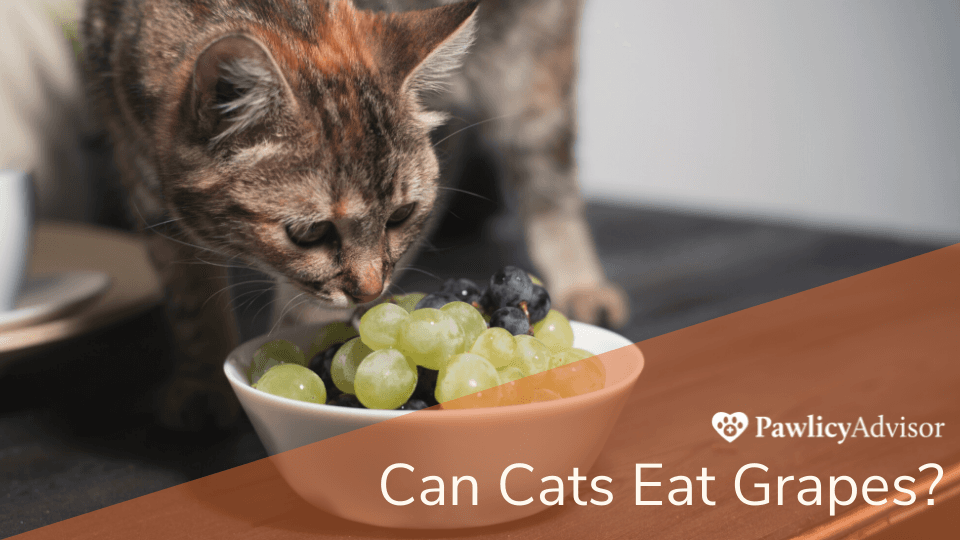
(328, 460)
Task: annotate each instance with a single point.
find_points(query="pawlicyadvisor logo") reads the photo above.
(732, 425)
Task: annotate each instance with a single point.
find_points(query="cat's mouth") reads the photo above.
(318, 291)
(331, 299)
(325, 298)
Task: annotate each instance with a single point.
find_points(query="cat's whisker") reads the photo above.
(230, 286)
(415, 269)
(477, 195)
(429, 247)
(201, 262)
(248, 281)
(246, 305)
(258, 292)
(306, 300)
(475, 124)
(287, 309)
(193, 246)
(172, 239)
(188, 244)
(162, 223)
(283, 313)
(237, 266)
(394, 289)
(212, 296)
(267, 305)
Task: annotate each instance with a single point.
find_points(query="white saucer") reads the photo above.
(47, 296)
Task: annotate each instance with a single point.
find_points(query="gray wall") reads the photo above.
(839, 113)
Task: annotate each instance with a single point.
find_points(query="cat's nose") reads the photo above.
(369, 284)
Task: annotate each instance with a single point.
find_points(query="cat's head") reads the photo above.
(306, 151)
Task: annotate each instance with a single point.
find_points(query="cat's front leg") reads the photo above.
(528, 92)
(198, 307)
(559, 243)
(558, 238)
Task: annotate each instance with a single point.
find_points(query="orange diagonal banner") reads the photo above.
(781, 381)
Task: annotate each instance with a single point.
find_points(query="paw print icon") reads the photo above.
(730, 425)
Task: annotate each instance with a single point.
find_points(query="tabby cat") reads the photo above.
(295, 135)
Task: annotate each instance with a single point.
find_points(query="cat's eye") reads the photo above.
(401, 214)
(312, 235)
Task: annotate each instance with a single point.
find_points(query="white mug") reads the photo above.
(16, 223)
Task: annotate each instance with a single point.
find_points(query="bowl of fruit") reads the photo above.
(481, 383)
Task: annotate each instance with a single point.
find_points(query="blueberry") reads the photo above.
(509, 287)
(539, 304)
(320, 364)
(463, 290)
(414, 405)
(435, 300)
(511, 319)
(487, 305)
(426, 385)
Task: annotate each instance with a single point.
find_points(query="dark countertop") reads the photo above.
(76, 433)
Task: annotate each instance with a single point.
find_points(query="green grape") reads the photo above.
(260, 366)
(509, 390)
(293, 381)
(531, 355)
(465, 374)
(329, 335)
(569, 356)
(385, 380)
(409, 301)
(496, 345)
(509, 374)
(274, 353)
(429, 337)
(379, 326)
(554, 331)
(468, 319)
(343, 368)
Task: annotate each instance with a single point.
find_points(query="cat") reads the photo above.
(294, 135)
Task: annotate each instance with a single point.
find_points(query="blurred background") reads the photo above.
(731, 153)
(840, 115)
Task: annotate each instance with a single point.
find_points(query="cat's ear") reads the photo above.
(422, 47)
(236, 86)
